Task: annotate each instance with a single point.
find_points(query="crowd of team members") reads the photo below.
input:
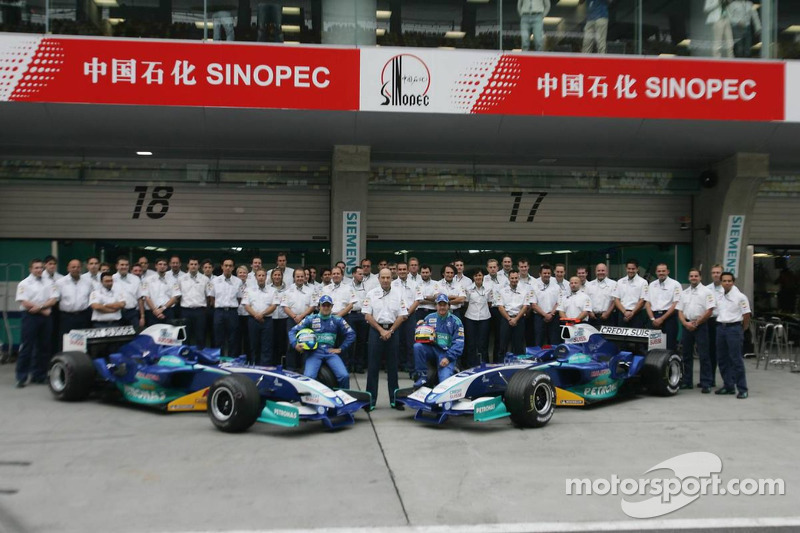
(366, 319)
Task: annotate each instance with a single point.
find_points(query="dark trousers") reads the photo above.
(669, 327)
(357, 357)
(494, 331)
(712, 349)
(55, 329)
(698, 338)
(405, 340)
(70, 321)
(209, 325)
(244, 338)
(476, 339)
(293, 358)
(377, 349)
(530, 329)
(195, 325)
(130, 317)
(150, 318)
(730, 339)
(260, 341)
(598, 322)
(226, 331)
(280, 343)
(742, 40)
(35, 351)
(546, 332)
(637, 321)
(513, 336)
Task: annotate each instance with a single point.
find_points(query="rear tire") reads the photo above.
(71, 376)
(234, 403)
(530, 398)
(327, 377)
(662, 372)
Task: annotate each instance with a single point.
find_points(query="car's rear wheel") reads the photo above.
(234, 403)
(530, 398)
(662, 372)
(71, 376)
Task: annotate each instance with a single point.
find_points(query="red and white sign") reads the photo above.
(437, 81)
(173, 73)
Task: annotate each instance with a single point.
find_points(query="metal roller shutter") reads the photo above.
(527, 217)
(775, 222)
(138, 211)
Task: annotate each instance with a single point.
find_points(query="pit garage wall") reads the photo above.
(164, 211)
(482, 217)
(775, 222)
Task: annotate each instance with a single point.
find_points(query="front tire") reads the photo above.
(327, 377)
(530, 398)
(234, 403)
(662, 372)
(71, 376)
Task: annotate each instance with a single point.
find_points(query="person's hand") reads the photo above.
(298, 348)
(604, 316)
(46, 311)
(141, 321)
(297, 319)
(386, 334)
(337, 351)
(690, 326)
(444, 362)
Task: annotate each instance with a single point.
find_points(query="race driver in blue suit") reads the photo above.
(327, 328)
(447, 347)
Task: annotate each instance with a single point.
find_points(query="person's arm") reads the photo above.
(349, 337)
(546, 8)
(745, 321)
(688, 325)
(755, 19)
(345, 310)
(457, 347)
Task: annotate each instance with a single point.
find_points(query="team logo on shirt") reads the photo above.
(405, 82)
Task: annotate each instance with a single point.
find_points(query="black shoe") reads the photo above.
(684, 386)
(723, 390)
(742, 395)
(699, 385)
(705, 390)
(21, 384)
(39, 381)
(401, 407)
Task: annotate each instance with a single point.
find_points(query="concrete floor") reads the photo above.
(93, 466)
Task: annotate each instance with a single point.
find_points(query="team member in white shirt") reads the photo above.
(629, 296)
(413, 270)
(494, 282)
(92, 273)
(429, 289)
(384, 310)
(255, 264)
(224, 290)
(370, 279)
(661, 299)
(51, 269)
(695, 308)
(463, 280)
(412, 296)
(131, 287)
(343, 295)
(454, 291)
(545, 298)
(36, 296)
(107, 303)
(241, 312)
(194, 299)
(559, 271)
(161, 293)
(260, 301)
(577, 304)
(357, 322)
(507, 263)
(476, 321)
(346, 279)
(716, 289)
(583, 274)
(732, 321)
(146, 272)
(287, 271)
(513, 304)
(601, 292)
(73, 301)
(297, 303)
(280, 320)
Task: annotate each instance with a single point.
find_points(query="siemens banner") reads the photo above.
(733, 244)
(351, 236)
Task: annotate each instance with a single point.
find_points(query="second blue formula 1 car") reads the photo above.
(154, 369)
(587, 367)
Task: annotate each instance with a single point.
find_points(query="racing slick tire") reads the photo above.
(234, 403)
(327, 377)
(530, 398)
(71, 376)
(432, 379)
(662, 372)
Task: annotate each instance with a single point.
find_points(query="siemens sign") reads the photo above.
(351, 237)
(733, 243)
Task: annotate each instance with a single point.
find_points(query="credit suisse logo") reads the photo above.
(405, 82)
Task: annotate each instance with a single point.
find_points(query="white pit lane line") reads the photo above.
(556, 527)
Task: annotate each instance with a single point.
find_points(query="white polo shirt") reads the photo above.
(513, 300)
(175, 278)
(410, 291)
(73, 295)
(732, 306)
(361, 294)
(428, 289)
(717, 291)
(495, 284)
(341, 294)
(105, 296)
(695, 301)
(546, 296)
(563, 287)
(371, 282)
(130, 287)
(384, 306)
(260, 298)
(452, 290)
(601, 293)
(662, 294)
(574, 304)
(225, 291)
(288, 274)
(94, 280)
(160, 290)
(478, 299)
(298, 300)
(194, 290)
(149, 274)
(35, 290)
(464, 281)
(630, 291)
(280, 291)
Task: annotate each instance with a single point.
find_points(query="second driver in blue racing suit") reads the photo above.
(327, 328)
(448, 346)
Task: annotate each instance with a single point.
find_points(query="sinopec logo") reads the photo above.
(405, 81)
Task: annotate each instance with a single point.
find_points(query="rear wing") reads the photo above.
(86, 340)
(655, 339)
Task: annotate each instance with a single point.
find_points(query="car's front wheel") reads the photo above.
(530, 398)
(234, 403)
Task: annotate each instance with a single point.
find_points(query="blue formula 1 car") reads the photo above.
(588, 367)
(154, 369)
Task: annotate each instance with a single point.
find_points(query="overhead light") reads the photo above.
(291, 42)
(562, 251)
(474, 251)
(454, 35)
(290, 28)
(200, 24)
(153, 248)
(380, 32)
(569, 3)
(553, 21)
(115, 21)
(286, 10)
(545, 253)
(685, 42)
(762, 255)
(516, 49)
(401, 252)
(161, 250)
(794, 28)
(756, 46)
(447, 48)
(666, 55)
(144, 153)
(379, 14)
(236, 248)
(106, 3)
